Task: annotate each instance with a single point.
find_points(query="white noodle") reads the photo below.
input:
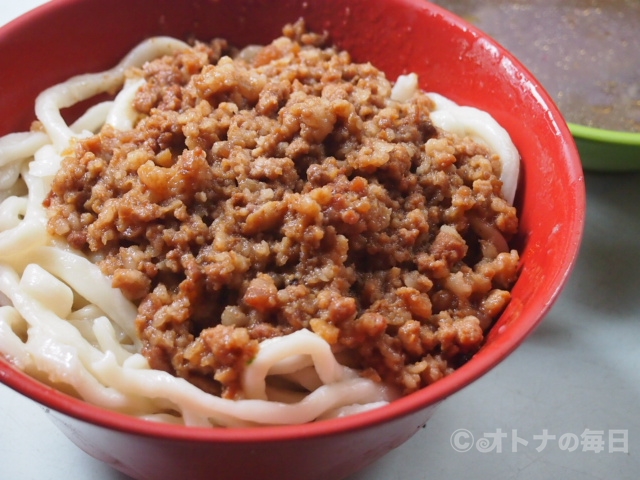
(11, 345)
(92, 119)
(9, 175)
(122, 115)
(17, 146)
(11, 212)
(469, 121)
(76, 89)
(30, 232)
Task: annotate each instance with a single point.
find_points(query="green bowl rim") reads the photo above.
(605, 136)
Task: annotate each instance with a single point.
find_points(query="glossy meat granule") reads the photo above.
(282, 190)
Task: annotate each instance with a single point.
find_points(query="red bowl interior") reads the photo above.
(67, 37)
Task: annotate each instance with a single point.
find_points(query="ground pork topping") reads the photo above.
(278, 188)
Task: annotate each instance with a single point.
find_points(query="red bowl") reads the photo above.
(67, 37)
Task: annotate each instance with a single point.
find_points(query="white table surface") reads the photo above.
(575, 380)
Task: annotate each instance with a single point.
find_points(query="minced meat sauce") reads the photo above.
(278, 188)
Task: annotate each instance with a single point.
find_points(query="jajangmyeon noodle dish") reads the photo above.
(267, 235)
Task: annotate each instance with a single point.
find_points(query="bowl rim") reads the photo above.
(428, 397)
(613, 137)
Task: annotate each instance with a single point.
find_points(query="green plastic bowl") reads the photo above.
(607, 150)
